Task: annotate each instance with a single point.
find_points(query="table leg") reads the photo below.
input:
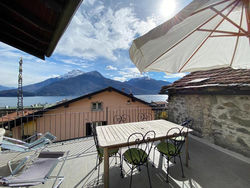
(106, 167)
(186, 148)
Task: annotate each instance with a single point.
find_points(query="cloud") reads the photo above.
(110, 67)
(129, 73)
(177, 75)
(99, 31)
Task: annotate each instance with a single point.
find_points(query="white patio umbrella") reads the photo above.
(206, 34)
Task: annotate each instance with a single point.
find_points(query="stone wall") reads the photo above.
(221, 119)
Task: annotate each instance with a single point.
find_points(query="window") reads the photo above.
(96, 106)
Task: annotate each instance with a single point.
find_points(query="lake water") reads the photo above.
(27, 101)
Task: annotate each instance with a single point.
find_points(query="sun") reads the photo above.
(167, 8)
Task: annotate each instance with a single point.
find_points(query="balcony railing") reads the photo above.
(74, 124)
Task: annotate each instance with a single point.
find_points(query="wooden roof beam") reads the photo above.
(27, 17)
(62, 24)
(21, 46)
(55, 5)
(19, 28)
(21, 40)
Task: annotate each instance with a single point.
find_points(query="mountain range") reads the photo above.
(76, 83)
(5, 88)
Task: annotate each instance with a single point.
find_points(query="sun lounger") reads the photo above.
(38, 172)
(22, 146)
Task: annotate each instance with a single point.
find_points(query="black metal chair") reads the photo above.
(99, 158)
(139, 147)
(170, 148)
(187, 123)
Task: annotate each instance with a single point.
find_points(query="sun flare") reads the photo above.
(167, 8)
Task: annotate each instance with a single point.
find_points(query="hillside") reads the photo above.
(13, 93)
(4, 88)
(77, 83)
(149, 84)
(83, 84)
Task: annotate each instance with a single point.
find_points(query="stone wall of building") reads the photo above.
(221, 119)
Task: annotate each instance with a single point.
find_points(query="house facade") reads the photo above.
(73, 118)
(218, 101)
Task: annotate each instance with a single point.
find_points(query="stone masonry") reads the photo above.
(221, 119)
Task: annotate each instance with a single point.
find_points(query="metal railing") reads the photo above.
(74, 124)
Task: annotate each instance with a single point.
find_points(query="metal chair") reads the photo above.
(99, 158)
(187, 123)
(139, 147)
(171, 147)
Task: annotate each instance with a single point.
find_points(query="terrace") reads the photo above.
(210, 166)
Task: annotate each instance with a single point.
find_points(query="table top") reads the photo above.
(117, 134)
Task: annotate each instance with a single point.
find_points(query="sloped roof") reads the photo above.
(28, 113)
(14, 116)
(222, 77)
(133, 98)
(35, 26)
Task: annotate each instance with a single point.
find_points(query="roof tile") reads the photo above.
(221, 77)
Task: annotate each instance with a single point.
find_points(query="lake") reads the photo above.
(27, 101)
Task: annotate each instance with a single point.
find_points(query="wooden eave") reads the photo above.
(36, 26)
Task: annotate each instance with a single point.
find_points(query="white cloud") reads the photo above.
(128, 73)
(110, 67)
(121, 79)
(98, 31)
(34, 69)
(177, 75)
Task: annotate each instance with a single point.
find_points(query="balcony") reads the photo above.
(73, 124)
(209, 166)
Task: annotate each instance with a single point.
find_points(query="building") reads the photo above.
(73, 118)
(219, 103)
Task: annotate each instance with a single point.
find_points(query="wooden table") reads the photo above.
(116, 136)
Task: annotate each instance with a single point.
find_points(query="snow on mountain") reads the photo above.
(71, 74)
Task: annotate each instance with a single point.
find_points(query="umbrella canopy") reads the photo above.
(204, 35)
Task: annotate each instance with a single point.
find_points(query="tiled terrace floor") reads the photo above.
(209, 167)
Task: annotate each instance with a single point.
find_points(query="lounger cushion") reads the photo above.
(37, 172)
(33, 175)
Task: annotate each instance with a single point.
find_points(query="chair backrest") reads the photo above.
(187, 123)
(93, 127)
(47, 138)
(140, 146)
(174, 145)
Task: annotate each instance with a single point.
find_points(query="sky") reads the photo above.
(98, 38)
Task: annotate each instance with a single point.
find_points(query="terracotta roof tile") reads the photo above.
(13, 115)
(216, 77)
